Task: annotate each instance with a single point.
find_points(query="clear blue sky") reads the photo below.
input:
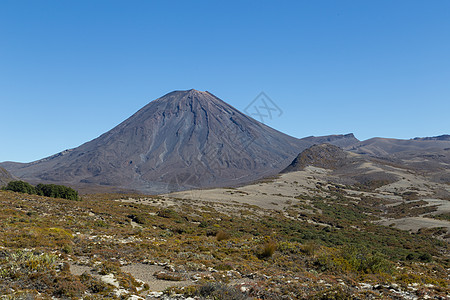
(72, 70)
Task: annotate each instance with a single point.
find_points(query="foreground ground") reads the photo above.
(286, 238)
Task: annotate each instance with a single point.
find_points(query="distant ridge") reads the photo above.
(444, 137)
(183, 140)
(384, 147)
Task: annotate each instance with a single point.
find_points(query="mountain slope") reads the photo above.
(5, 177)
(185, 139)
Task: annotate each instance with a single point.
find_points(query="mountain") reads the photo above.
(5, 177)
(185, 139)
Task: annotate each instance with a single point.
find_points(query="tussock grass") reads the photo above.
(267, 250)
(222, 235)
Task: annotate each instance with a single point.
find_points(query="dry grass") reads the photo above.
(268, 249)
(222, 235)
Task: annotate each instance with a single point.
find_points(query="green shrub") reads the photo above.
(47, 190)
(309, 248)
(56, 191)
(101, 223)
(425, 257)
(22, 262)
(20, 187)
(203, 224)
(139, 218)
(168, 213)
(356, 259)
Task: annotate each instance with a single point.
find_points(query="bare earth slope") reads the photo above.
(185, 139)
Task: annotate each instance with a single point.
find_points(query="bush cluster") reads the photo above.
(47, 190)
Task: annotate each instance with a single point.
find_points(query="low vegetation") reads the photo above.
(47, 190)
(332, 251)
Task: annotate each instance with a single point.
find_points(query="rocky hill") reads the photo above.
(324, 156)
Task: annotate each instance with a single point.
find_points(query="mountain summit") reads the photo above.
(185, 139)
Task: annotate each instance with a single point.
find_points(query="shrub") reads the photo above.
(101, 223)
(56, 191)
(69, 287)
(168, 213)
(335, 293)
(20, 187)
(95, 285)
(224, 267)
(425, 257)
(108, 267)
(21, 262)
(309, 248)
(220, 291)
(203, 224)
(138, 218)
(289, 247)
(67, 248)
(357, 259)
(47, 190)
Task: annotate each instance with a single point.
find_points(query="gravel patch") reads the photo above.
(145, 273)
